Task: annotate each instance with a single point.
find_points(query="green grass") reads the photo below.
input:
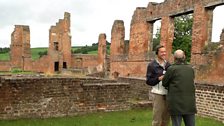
(35, 51)
(93, 52)
(76, 47)
(4, 56)
(141, 117)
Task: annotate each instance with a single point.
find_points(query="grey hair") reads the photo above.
(179, 56)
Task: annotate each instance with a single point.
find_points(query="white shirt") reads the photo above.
(159, 89)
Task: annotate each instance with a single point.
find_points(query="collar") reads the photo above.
(164, 62)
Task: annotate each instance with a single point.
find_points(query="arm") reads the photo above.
(167, 77)
(151, 78)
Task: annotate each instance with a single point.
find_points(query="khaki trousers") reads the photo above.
(161, 115)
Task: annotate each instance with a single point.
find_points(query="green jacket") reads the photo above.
(179, 80)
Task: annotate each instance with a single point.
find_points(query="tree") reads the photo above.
(156, 40)
(4, 50)
(182, 35)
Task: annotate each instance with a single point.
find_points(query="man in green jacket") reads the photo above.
(179, 80)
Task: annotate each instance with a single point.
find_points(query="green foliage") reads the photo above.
(75, 48)
(141, 117)
(86, 49)
(42, 53)
(16, 70)
(4, 53)
(90, 49)
(156, 40)
(211, 47)
(4, 50)
(182, 34)
(36, 53)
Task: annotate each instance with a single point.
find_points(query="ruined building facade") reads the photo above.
(126, 58)
(141, 36)
(59, 56)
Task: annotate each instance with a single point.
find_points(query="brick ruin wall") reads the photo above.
(40, 97)
(5, 65)
(141, 32)
(59, 34)
(133, 62)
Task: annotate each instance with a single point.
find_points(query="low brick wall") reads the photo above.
(5, 65)
(210, 101)
(40, 97)
(139, 90)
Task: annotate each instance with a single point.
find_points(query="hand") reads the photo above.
(161, 77)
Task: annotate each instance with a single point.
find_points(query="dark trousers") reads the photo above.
(189, 120)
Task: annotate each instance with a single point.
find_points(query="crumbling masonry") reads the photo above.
(59, 55)
(127, 61)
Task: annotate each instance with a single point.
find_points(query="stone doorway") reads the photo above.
(64, 65)
(56, 66)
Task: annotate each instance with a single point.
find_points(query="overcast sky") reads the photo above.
(89, 18)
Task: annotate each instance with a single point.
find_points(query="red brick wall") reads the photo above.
(125, 68)
(60, 34)
(210, 101)
(139, 35)
(84, 61)
(5, 66)
(117, 47)
(39, 97)
(167, 34)
(102, 52)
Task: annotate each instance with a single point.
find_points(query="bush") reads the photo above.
(16, 70)
(42, 53)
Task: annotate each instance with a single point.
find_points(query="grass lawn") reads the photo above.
(93, 52)
(4, 56)
(142, 117)
(35, 51)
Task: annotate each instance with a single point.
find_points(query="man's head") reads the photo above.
(161, 52)
(179, 56)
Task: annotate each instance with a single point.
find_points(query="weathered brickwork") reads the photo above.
(5, 65)
(139, 90)
(139, 35)
(40, 97)
(128, 69)
(85, 62)
(133, 62)
(60, 44)
(20, 46)
(32, 97)
(117, 40)
(68, 96)
(210, 101)
(167, 34)
(211, 69)
(102, 53)
(59, 55)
